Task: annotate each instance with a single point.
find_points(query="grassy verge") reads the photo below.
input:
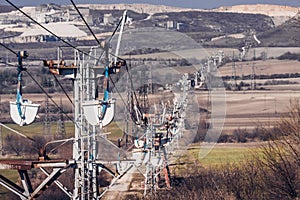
(12, 175)
(223, 155)
(37, 129)
(220, 155)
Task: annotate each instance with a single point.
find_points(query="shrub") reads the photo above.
(289, 56)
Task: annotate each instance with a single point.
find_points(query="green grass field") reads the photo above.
(12, 175)
(219, 155)
(231, 155)
(37, 129)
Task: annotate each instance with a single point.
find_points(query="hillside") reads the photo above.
(139, 8)
(203, 26)
(279, 13)
(6, 9)
(286, 34)
(265, 9)
(223, 27)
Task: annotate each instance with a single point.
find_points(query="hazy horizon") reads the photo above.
(177, 3)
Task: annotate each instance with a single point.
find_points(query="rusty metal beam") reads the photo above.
(16, 164)
(29, 164)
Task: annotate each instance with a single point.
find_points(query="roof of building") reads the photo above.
(61, 29)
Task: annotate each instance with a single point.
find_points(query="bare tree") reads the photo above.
(280, 161)
(14, 144)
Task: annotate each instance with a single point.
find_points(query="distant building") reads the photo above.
(175, 25)
(84, 11)
(54, 13)
(63, 30)
(108, 19)
(40, 17)
(49, 13)
(171, 24)
(180, 26)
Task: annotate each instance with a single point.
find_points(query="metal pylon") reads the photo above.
(150, 180)
(159, 145)
(60, 131)
(84, 148)
(47, 122)
(253, 84)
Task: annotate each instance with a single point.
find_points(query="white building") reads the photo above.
(171, 25)
(64, 30)
(108, 19)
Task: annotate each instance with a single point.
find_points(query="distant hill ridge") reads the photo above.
(139, 8)
(266, 9)
(279, 13)
(286, 34)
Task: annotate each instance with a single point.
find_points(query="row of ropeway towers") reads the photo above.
(93, 153)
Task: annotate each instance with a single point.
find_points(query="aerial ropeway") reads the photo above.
(93, 112)
(96, 112)
(102, 112)
(22, 111)
(60, 68)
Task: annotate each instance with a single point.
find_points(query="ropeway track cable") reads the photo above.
(56, 79)
(46, 29)
(12, 51)
(125, 104)
(29, 74)
(67, 43)
(91, 31)
(111, 37)
(87, 25)
(39, 85)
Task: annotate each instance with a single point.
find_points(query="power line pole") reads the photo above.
(253, 84)
(1, 142)
(233, 73)
(60, 130)
(47, 122)
(143, 92)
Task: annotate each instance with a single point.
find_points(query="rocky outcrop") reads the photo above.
(139, 8)
(279, 13)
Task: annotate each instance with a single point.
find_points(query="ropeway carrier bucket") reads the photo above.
(28, 112)
(92, 111)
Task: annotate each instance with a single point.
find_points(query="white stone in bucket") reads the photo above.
(28, 109)
(92, 111)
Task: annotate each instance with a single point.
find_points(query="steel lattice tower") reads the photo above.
(60, 131)
(84, 149)
(47, 121)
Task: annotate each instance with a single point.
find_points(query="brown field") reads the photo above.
(203, 53)
(244, 109)
(267, 67)
(249, 109)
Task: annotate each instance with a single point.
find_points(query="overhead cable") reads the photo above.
(29, 74)
(46, 29)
